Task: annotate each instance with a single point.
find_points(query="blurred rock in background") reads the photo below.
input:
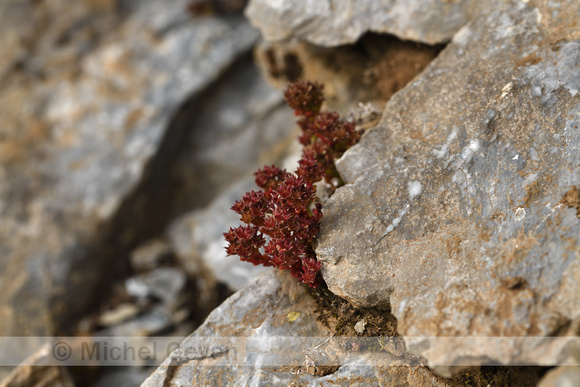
(118, 117)
(129, 128)
(96, 98)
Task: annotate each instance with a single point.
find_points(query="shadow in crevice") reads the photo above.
(372, 69)
(164, 192)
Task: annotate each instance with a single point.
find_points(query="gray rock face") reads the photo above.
(273, 306)
(199, 243)
(150, 255)
(85, 106)
(336, 22)
(561, 377)
(165, 284)
(39, 370)
(261, 309)
(247, 125)
(452, 213)
(241, 124)
(359, 373)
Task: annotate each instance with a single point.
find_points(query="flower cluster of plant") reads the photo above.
(287, 209)
(325, 135)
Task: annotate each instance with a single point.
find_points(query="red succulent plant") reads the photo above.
(287, 210)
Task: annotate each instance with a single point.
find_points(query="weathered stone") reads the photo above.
(241, 124)
(338, 69)
(365, 74)
(199, 243)
(150, 255)
(274, 306)
(151, 322)
(118, 314)
(87, 94)
(561, 377)
(260, 310)
(165, 284)
(246, 125)
(39, 370)
(452, 211)
(360, 373)
(331, 23)
(156, 301)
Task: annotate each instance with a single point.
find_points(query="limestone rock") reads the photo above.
(561, 377)
(452, 211)
(259, 310)
(198, 240)
(240, 124)
(118, 315)
(150, 255)
(153, 321)
(88, 91)
(336, 22)
(152, 302)
(360, 373)
(273, 306)
(246, 125)
(370, 71)
(39, 370)
(165, 284)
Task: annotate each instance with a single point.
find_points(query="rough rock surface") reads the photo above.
(386, 64)
(260, 309)
(335, 22)
(452, 213)
(274, 305)
(241, 124)
(88, 91)
(39, 370)
(247, 125)
(561, 377)
(198, 241)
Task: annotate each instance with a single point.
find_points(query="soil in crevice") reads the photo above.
(370, 70)
(341, 317)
